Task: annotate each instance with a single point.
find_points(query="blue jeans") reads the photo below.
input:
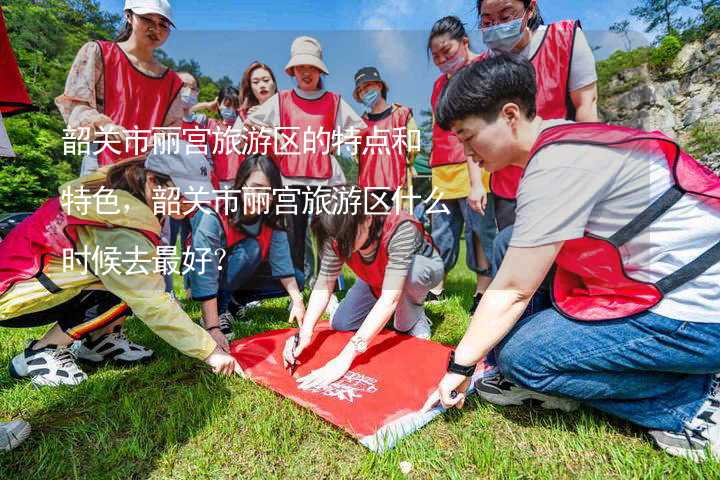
(651, 370)
(447, 229)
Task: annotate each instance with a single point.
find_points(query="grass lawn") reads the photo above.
(171, 418)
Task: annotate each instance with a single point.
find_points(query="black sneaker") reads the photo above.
(499, 390)
(700, 437)
(476, 302)
(49, 366)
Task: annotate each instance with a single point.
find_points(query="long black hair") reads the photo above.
(533, 22)
(262, 163)
(450, 25)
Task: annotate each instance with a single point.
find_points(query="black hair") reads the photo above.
(484, 87)
(339, 223)
(533, 22)
(126, 30)
(229, 93)
(251, 164)
(450, 25)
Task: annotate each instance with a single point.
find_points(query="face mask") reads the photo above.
(188, 98)
(370, 98)
(504, 37)
(453, 65)
(227, 113)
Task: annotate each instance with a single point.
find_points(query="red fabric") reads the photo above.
(318, 116)
(133, 100)
(373, 273)
(382, 167)
(402, 371)
(47, 232)
(226, 158)
(590, 281)
(446, 148)
(552, 66)
(13, 95)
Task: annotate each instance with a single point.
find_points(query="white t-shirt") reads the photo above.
(5, 147)
(582, 65)
(347, 119)
(567, 190)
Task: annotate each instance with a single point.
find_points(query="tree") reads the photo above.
(659, 15)
(623, 28)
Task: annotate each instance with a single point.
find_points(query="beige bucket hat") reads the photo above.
(306, 51)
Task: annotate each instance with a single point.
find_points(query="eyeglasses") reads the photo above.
(505, 16)
(163, 25)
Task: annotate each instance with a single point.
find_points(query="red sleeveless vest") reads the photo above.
(373, 273)
(590, 281)
(133, 100)
(552, 63)
(446, 148)
(384, 165)
(316, 116)
(233, 235)
(46, 233)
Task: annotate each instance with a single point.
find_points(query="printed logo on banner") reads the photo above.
(351, 386)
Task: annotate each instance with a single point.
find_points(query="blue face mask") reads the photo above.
(370, 98)
(504, 37)
(228, 113)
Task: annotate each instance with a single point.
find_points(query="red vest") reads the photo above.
(373, 273)
(13, 95)
(384, 163)
(552, 63)
(133, 100)
(226, 157)
(317, 116)
(590, 281)
(446, 148)
(234, 235)
(46, 233)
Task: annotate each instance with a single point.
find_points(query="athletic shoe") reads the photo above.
(332, 307)
(499, 390)
(421, 328)
(48, 366)
(700, 437)
(225, 322)
(114, 346)
(476, 302)
(13, 434)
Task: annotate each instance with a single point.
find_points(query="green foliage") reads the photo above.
(663, 56)
(704, 139)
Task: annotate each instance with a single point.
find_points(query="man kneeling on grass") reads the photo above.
(631, 224)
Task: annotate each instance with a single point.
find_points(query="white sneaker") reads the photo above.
(225, 322)
(13, 434)
(499, 390)
(422, 328)
(49, 366)
(113, 346)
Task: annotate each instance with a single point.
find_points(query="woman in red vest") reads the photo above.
(86, 265)
(395, 263)
(244, 225)
(567, 84)
(384, 153)
(117, 92)
(632, 236)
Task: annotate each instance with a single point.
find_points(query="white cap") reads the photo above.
(143, 7)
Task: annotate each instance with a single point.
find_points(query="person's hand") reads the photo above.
(477, 200)
(222, 363)
(450, 392)
(220, 339)
(297, 312)
(291, 352)
(331, 372)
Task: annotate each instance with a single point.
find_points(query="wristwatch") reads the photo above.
(459, 369)
(359, 344)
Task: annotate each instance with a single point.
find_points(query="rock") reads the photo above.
(712, 160)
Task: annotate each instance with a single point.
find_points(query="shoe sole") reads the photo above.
(545, 402)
